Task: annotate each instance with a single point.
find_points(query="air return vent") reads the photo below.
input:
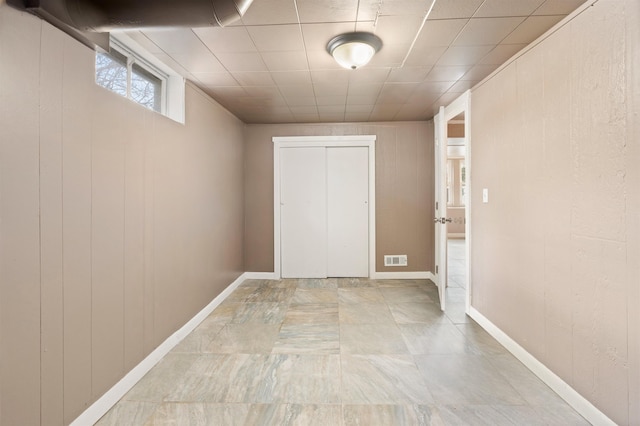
(395, 260)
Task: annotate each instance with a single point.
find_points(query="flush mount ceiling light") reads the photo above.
(353, 50)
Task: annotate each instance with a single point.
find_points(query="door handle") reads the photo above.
(442, 220)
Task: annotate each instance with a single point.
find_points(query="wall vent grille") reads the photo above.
(395, 260)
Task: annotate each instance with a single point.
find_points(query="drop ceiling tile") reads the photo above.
(227, 39)
(242, 62)
(492, 8)
(430, 87)
(285, 78)
(269, 38)
(297, 91)
(449, 97)
(558, 7)
(479, 72)
(410, 113)
(501, 54)
(366, 89)
(532, 28)
(447, 73)
(331, 109)
(332, 117)
(316, 36)
(405, 7)
(338, 77)
(463, 55)
(263, 92)
(484, 31)
(254, 78)
(368, 74)
(286, 61)
(408, 74)
(362, 99)
(360, 109)
(327, 10)
(215, 79)
(396, 93)
(176, 40)
(305, 118)
(293, 101)
(226, 92)
(331, 100)
(355, 117)
(173, 64)
(425, 56)
(271, 12)
(144, 41)
(330, 89)
(394, 30)
(421, 99)
(199, 63)
(454, 9)
(439, 33)
(367, 10)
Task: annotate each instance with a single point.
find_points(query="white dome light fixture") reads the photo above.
(353, 50)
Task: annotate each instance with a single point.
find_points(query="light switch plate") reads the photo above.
(485, 195)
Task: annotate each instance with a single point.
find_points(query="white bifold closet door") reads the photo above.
(324, 212)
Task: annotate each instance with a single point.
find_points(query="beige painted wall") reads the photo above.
(117, 225)
(404, 189)
(554, 138)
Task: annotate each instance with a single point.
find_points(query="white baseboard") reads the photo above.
(99, 408)
(566, 392)
(420, 275)
(260, 276)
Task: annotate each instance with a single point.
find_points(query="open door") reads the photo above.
(440, 211)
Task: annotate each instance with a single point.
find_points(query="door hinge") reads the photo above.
(436, 269)
(436, 205)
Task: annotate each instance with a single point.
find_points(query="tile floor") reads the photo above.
(339, 352)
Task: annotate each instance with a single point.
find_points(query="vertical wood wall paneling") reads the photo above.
(77, 102)
(19, 221)
(107, 245)
(52, 324)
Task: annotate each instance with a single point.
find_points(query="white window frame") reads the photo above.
(172, 91)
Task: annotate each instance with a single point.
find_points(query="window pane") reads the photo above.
(111, 72)
(146, 89)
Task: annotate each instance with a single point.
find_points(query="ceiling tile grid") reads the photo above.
(272, 66)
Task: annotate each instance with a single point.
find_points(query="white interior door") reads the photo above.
(303, 207)
(347, 212)
(440, 212)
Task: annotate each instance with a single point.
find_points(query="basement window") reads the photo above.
(133, 73)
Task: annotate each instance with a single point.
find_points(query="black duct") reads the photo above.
(91, 20)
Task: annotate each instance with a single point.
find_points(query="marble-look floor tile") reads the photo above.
(479, 341)
(558, 415)
(382, 379)
(160, 380)
(317, 283)
(197, 414)
(422, 312)
(532, 389)
(253, 283)
(360, 295)
(245, 339)
(371, 339)
(260, 313)
(128, 412)
(223, 313)
(294, 415)
(365, 313)
(456, 313)
(270, 294)
(240, 294)
(509, 415)
(466, 379)
(388, 415)
(304, 379)
(438, 338)
(356, 283)
(199, 339)
(315, 295)
(456, 295)
(308, 338)
(405, 295)
(312, 313)
(222, 378)
(404, 283)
